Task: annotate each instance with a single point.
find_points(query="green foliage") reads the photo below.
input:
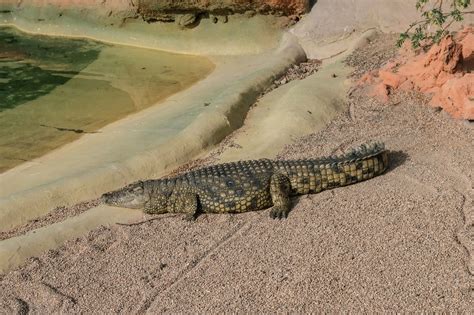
(433, 16)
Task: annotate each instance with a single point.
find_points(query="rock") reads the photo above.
(456, 97)
(467, 45)
(294, 18)
(443, 72)
(214, 19)
(444, 57)
(224, 19)
(407, 85)
(391, 79)
(187, 20)
(285, 7)
(165, 18)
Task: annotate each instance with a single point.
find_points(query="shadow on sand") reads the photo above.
(395, 159)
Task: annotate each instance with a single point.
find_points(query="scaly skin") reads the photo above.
(250, 185)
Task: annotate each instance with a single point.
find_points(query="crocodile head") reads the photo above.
(132, 196)
(152, 196)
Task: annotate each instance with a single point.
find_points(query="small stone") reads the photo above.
(165, 18)
(295, 18)
(214, 19)
(224, 19)
(436, 109)
(187, 20)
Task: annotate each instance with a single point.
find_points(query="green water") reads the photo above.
(32, 66)
(53, 90)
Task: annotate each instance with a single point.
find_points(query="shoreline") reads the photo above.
(250, 36)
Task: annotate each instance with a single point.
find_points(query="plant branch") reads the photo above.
(436, 17)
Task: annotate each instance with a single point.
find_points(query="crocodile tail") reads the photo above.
(314, 175)
(370, 159)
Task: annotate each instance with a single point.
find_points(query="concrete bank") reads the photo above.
(119, 25)
(293, 110)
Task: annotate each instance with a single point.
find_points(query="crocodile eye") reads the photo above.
(138, 190)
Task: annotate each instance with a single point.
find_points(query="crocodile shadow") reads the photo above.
(395, 159)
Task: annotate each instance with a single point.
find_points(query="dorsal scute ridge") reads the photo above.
(364, 151)
(361, 152)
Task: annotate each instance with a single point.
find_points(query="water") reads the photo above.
(53, 90)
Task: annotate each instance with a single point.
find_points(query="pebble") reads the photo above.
(187, 19)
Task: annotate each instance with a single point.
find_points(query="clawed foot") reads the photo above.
(279, 213)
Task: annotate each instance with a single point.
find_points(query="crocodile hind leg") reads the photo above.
(184, 202)
(280, 191)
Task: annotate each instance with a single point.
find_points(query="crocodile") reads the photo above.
(250, 185)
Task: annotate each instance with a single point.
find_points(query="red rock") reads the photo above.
(407, 86)
(466, 36)
(391, 79)
(439, 72)
(456, 97)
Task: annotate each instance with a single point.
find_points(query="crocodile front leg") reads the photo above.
(280, 191)
(184, 202)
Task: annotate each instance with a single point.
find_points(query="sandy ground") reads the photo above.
(396, 242)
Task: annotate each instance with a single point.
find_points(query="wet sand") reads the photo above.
(398, 242)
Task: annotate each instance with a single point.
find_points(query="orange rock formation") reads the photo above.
(443, 72)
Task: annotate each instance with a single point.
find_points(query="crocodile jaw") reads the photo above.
(128, 197)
